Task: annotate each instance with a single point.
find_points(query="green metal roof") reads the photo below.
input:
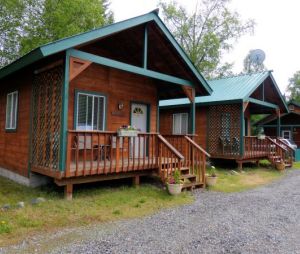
(79, 39)
(229, 89)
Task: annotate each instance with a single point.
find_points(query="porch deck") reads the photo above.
(255, 149)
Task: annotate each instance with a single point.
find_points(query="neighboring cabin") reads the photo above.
(62, 104)
(289, 124)
(223, 119)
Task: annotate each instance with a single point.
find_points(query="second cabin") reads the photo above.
(223, 119)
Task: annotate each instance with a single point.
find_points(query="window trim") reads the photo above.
(89, 93)
(290, 134)
(12, 129)
(173, 125)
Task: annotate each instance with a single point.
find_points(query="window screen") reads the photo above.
(90, 112)
(180, 123)
(11, 111)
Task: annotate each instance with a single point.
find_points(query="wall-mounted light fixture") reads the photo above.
(120, 105)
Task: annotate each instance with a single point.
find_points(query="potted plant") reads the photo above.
(280, 166)
(175, 183)
(211, 177)
(127, 131)
(261, 133)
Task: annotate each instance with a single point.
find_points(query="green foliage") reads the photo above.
(206, 33)
(175, 177)
(27, 24)
(250, 66)
(212, 171)
(294, 87)
(11, 12)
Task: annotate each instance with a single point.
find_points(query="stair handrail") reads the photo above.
(285, 145)
(276, 144)
(197, 146)
(170, 147)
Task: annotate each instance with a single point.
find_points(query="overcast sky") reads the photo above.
(277, 31)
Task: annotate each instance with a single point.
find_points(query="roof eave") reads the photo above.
(22, 62)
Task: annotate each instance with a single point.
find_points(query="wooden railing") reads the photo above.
(98, 152)
(194, 155)
(289, 153)
(169, 158)
(267, 147)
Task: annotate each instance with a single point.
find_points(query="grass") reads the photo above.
(248, 179)
(296, 165)
(89, 205)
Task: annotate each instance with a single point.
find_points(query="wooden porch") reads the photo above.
(102, 155)
(254, 149)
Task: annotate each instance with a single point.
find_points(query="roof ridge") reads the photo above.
(240, 75)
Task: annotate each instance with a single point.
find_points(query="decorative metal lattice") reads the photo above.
(46, 118)
(224, 129)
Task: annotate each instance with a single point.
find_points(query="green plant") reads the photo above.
(212, 171)
(175, 178)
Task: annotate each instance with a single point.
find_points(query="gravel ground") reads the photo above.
(263, 220)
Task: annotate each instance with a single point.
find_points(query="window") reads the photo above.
(11, 111)
(287, 134)
(225, 125)
(180, 123)
(90, 112)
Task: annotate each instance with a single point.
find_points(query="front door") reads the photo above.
(139, 116)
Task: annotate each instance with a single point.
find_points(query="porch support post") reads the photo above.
(242, 131)
(157, 116)
(145, 47)
(193, 114)
(64, 115)
(278, 122)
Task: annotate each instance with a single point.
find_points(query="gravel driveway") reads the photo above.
(264, 220)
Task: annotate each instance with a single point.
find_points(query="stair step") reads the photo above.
(288, 165)
(188, 176)
(185, 170)
(193, 185)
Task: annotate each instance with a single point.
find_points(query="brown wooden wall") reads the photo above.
(166, 122)
(14, 146)
(117, 86)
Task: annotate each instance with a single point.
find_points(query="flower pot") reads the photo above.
(211, 180)
(280, 166)
(175, 188)
(127, 133)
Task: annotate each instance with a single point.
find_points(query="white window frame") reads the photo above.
(93, 96)
(13, 111)
(289, 133)
(187, 123)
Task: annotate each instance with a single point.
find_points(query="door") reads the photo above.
(287, 134)
(139, 118)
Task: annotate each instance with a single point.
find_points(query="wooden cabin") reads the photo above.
(63, 103)
(223, 119)
(289, 124)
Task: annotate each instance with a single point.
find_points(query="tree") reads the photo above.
(42, 21)
(251, 66)
(11, 12)
(294, 87)
(207, 33)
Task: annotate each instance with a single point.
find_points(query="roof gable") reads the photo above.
(80, 39)
(231, 89)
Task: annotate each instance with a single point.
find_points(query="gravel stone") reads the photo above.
(262, 220)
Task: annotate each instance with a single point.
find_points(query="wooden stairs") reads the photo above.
(189, 180)
(280, 153)
(185, 155)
